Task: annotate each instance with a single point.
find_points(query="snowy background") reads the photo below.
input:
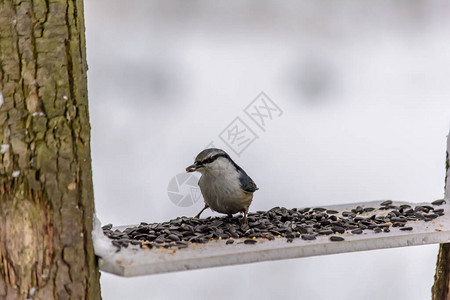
(365, 94)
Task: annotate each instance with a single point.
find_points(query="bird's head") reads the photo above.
(208, 159)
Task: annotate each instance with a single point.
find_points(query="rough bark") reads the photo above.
(46, 197)
(440, 289)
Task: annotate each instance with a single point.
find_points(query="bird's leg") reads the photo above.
(198, 215)
(244, 218)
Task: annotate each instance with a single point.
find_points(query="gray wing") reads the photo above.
(247, 184)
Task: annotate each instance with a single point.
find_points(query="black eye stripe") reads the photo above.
(211, 159)
(207, 161)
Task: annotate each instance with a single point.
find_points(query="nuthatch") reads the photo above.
(225, 187)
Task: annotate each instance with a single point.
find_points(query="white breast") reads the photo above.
(221, 189)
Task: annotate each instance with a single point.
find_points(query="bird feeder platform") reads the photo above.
(137, 261)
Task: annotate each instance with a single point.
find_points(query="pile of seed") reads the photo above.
(305, 223)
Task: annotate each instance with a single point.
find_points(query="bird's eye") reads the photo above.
(208, 160)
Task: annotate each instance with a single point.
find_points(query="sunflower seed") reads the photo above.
(369, 209)
(334, 238)
(173, 237)
(107, 227)
(339, 229)
(319, 209)
(406, 228)
(386, 203)
(250, 242)
(438, 202)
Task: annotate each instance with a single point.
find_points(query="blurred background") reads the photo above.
(363, 97)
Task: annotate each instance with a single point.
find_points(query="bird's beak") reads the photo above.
(193, 167)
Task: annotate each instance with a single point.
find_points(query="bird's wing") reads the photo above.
(247, 184)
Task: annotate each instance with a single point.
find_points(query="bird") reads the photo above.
(225, 186)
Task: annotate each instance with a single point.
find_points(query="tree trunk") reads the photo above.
(46, 197)
(440, 289)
